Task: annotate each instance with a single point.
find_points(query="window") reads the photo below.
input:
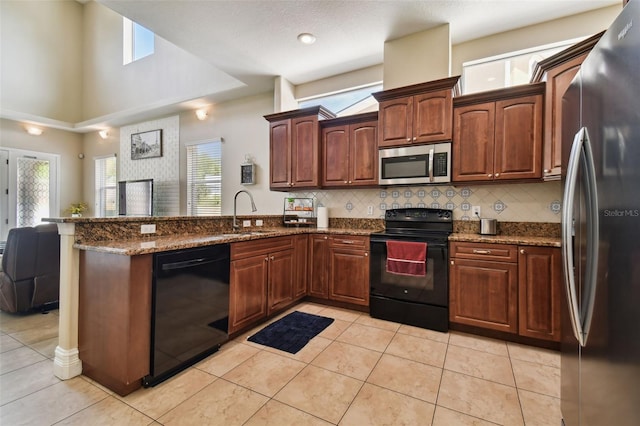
(347, 102)
(204, 178)
(106, 184)
(506, 70)
(138, 41)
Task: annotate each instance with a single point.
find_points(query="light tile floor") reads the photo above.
(359, 371)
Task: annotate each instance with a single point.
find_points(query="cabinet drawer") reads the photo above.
(484, 251)
(261, 246)
(349, 241)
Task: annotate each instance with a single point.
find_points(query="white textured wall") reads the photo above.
(66, 144)
(580, 25)
(416, 58)
(164, 170)
(41, 58)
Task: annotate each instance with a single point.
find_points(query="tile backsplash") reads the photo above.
(526, 202)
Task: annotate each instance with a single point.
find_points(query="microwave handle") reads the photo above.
(431, 165)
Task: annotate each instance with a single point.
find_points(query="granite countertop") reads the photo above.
(176, 242)
(507, 239)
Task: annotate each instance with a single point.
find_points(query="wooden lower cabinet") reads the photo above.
(280, 280)
(261, 280)
(114, 318)
(513, 289)
(318, 262)
(539, 292)
(248, 291)
(484, 294)
(339, 268)
(300, 264)
(349, 269)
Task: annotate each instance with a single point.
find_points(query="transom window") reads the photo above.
(138, 42)
(347, 102)
(509, 69)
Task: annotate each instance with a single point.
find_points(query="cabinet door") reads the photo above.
(484, 294)
(280, 287)
(318, 266)
(349, 276)
(395, 122)
(280, 153)
(300, 255)
(305, 152)
(363, 154)
(247, 291)
(518, 151)
(558, 80)
(539, 292)
(432, 117)
(473, 142)
(335, 147)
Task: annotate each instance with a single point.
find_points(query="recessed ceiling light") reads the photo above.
(306, 38)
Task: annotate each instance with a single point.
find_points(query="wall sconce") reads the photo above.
(33, 130)
(201, 114)
(104, 133)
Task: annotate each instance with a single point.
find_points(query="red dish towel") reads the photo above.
(407, 258)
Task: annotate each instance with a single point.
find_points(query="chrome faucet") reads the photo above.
(235, 199)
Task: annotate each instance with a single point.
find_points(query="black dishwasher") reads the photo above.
(190, 308)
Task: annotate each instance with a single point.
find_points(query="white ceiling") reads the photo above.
(255, 40)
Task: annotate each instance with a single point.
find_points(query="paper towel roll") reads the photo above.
(323, 217)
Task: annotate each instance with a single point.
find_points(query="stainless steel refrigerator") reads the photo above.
(600, 365)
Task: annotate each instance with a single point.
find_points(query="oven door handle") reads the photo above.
(430, 244)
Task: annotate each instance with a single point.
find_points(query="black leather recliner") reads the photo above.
(30, 277)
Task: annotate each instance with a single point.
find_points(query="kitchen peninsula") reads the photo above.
(111, 254)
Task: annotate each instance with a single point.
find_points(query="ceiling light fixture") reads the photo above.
(104, 133)
(306, 38)
(201, 114)
(33, 130)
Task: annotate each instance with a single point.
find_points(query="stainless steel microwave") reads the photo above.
(415, 165)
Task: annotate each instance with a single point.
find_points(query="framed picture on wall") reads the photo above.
(146, 144)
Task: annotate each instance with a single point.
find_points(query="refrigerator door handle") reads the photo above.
(581, 155)
(593, 238)
(567, 227)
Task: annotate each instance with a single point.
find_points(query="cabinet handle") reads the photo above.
(452, 262)
(366, 254)
(266, 259)
(347, 242)
(476, 251)
(408, 139)
(497, 174)
(522, 251)
(415, 138)
(272, 257)
(547, 170)
(325, 237)
(346, 181)
(490, 175)
(349, 181)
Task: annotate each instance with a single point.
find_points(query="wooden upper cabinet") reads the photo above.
(294, 148)
(395, 122)
(518, 136)
(416, 114)
(350, 151)
(558, 71)
(280, 153)
(498, 135)
(473, 142)
(432, 117)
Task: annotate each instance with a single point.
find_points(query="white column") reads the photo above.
(66, 363)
